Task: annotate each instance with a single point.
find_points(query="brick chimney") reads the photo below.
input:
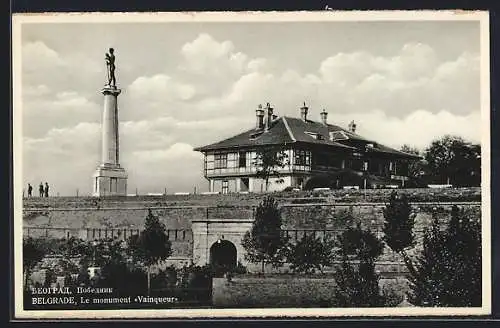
(303, 112)
(259, 113)
(324, 117)
(269, 116)
(352, 127)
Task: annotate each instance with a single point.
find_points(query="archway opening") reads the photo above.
(223, 256)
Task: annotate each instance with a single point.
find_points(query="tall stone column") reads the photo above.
(110, 178)
(110, 144)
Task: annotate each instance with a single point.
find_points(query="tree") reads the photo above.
(151, 245)
(358, 286)
(265, 240)
(34, 251)
(415, 168)
(269, 161)
(463, 238)
(360, 243)
(453, 160)
(310, 254)
(448, 270)
(398, 226)
(427, 282)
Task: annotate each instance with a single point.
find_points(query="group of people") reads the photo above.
(43, 190)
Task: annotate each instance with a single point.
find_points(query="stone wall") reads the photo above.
(120, 220)
(272, 292)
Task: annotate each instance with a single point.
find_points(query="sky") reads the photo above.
(190, 84)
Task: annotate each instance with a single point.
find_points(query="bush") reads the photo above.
(165, 279)
(310, 254)
(357, 285)
(393, 292)
(196, 283)
(240, 268)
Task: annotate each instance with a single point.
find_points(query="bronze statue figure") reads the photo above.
(110, 62)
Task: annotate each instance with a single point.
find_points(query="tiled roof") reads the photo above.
(277, 135)
(288, 130)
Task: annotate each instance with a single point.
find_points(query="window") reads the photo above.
(113, 184)
(243, 159)
(315, 135)
(338, 135)
(225, 186)
(326, 159)
(302, 157)
(220, 161)
(354, 164)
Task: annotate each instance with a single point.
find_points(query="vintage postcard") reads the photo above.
(252, 164)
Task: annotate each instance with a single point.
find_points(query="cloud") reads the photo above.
(175, 152)
(44, 110)
(215, 65)
(42, 65)
(64, 157)
(160, 87)
(418, 129)
(177, 168)
(359, 81)
(201, 53)
(35, 91)
(37, 55)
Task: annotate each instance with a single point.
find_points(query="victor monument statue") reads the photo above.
(110, 62)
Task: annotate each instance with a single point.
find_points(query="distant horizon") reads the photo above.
(198, 83)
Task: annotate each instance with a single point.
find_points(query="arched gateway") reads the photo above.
(219, 241)
(223, 254)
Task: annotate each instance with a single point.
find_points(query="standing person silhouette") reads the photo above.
(110, 62)
(30, 190)
(46, 189)
(40, 189)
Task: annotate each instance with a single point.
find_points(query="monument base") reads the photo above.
(110, 180)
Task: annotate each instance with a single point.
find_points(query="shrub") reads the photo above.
(240, 268)
(393, 292)
(357, 285)
(310, 254)
(263, 242)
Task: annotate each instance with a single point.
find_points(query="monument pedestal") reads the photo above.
(110, 180)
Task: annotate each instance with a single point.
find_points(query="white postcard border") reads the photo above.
(335, 16)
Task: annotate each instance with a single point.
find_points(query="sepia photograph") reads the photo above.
(251, 164)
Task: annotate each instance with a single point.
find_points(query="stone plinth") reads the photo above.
(110, 180)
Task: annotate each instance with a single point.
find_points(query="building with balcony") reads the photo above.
(313, 149)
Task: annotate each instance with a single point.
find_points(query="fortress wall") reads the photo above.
(322, 219)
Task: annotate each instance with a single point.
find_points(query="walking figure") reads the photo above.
(46, 189)
(30, 190)
(40, 189)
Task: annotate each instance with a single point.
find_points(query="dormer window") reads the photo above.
(338, 135)
(315, 135)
